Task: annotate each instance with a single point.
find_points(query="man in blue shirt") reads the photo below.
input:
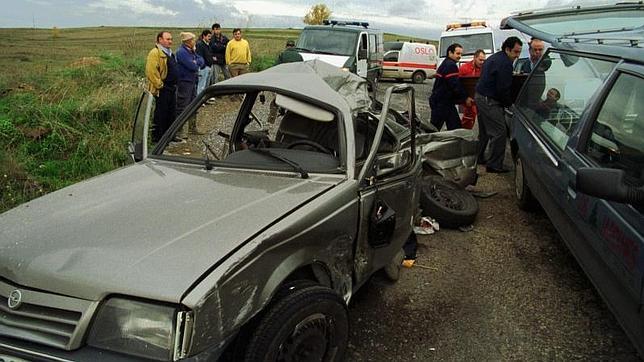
(493, 93)
(448, 91)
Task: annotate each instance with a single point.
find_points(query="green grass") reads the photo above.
(67, 98)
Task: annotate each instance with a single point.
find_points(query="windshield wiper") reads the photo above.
(207, 160)
(291, 163)
(323, 52)
(303, 49)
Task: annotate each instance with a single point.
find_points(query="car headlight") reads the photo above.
(135, 328)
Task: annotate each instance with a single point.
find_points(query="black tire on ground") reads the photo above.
(447, 202)
(392, 270)
(308, 324)
(525, 199)
(418, 77)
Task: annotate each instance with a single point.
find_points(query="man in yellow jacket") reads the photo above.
(161, 72)
(238, 54)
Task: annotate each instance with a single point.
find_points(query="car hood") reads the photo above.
(148, 230)
(335, 60)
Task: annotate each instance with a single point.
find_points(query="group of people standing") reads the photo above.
(175, 78)
(493, 94)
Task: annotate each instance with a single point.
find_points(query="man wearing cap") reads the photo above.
(189, 64)
(289, 55)
(161, 71)
(218, 44)
(238, 54)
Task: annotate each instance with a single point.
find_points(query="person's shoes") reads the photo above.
(178, 140)
(496, 170)
(211, 101)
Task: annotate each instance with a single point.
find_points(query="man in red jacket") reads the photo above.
(471, 69)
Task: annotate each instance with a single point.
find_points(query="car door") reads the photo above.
(388, 197)
(138, 146)
(390, 68)
(363, 56)
(612, 138)
(544, 126)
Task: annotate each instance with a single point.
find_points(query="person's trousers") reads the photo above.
(204, 79)
(165, 111)
(186, 93)
(217, 71)
(445, 114)
(238, 69)
(491, 130)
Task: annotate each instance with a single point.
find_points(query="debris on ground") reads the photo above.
(426, 226)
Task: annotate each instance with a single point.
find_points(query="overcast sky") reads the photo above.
(423, 18)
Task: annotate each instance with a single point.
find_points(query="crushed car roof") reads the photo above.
(313, 79)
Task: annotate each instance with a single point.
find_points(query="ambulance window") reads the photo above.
(372, 43)
(391, 57)
(363, 42)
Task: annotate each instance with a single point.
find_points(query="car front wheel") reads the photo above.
(521, 190)
(307, 324)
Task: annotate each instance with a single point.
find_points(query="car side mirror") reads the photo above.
(608, 183)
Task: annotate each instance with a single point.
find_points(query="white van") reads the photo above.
(407, 60)
(472, 36)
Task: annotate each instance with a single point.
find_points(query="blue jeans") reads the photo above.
(204, 79)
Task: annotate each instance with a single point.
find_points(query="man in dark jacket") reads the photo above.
(203, 49)
(289, 55)
(448, 91)
(218, 44)
(493, 93)
(536, 48)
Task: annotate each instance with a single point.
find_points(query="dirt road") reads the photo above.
(507, 290)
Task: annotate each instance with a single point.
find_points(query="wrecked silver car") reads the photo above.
(245, 242)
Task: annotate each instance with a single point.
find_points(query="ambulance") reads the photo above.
(472, 36)
(407, 60)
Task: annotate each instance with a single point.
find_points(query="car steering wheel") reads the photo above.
(313, 144)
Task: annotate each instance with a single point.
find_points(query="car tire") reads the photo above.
(418, 77)
(392, 270)
(448, 203)
(525, 199)
(302, 324)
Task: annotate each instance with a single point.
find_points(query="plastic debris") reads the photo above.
(466, 228)
(426, 226)
(408, 263)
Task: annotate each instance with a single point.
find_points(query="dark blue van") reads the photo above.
(578, 144)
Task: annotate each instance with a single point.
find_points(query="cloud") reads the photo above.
(135, 6)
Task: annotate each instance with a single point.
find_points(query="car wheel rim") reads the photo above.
(446, 197)
(310, 340)
(518, 179)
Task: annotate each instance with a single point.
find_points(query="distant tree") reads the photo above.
(317, 14)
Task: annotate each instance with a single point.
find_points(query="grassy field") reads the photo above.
(67, 97)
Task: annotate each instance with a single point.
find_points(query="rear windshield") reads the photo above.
(328, 41)
(470, 43)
